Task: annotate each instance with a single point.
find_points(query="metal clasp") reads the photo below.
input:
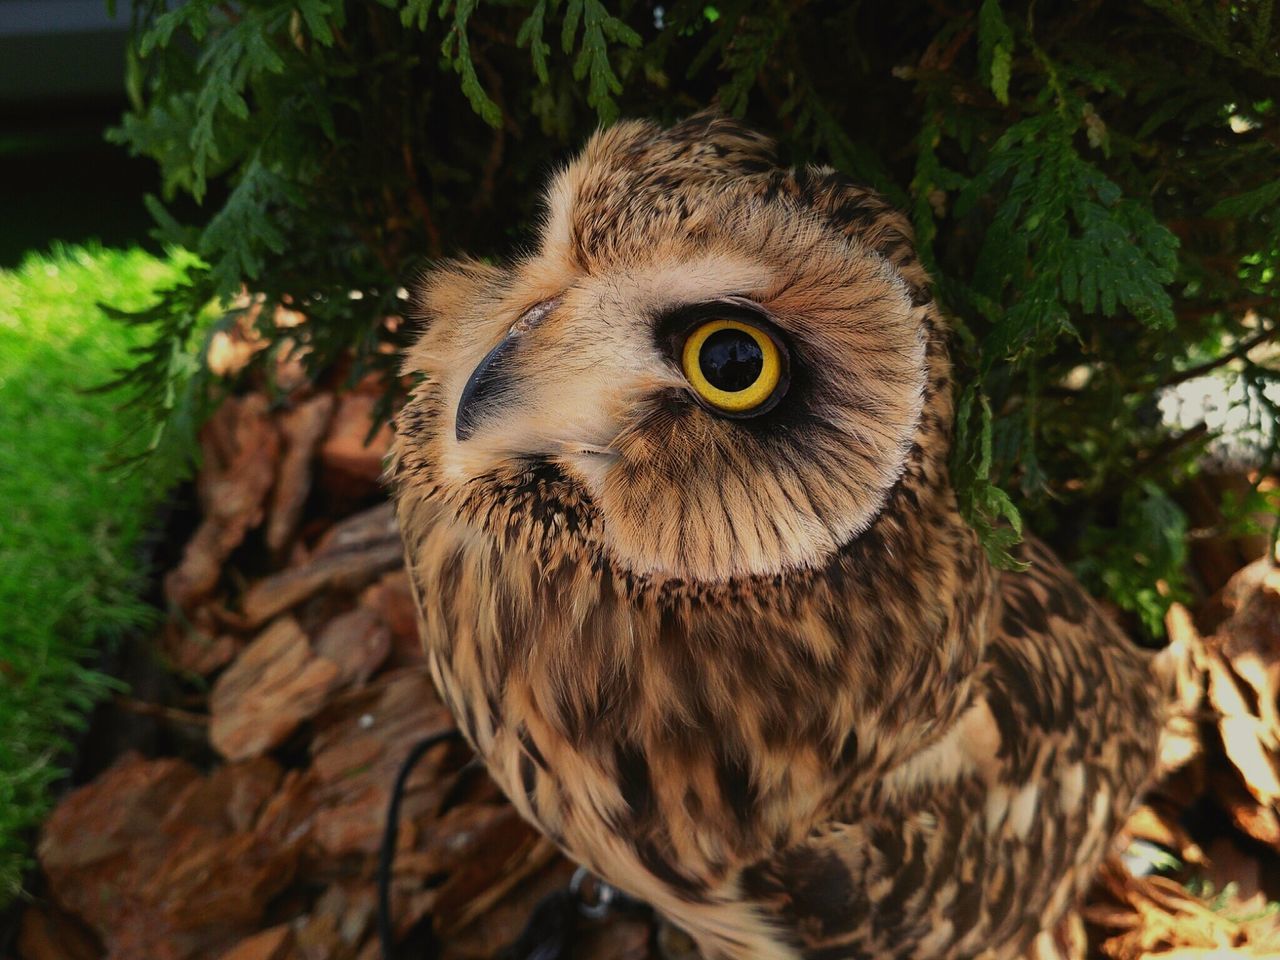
(604, 895)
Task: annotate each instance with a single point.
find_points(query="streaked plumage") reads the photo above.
(757, 672)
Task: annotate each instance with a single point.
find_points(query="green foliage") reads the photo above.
(1149, 538)
(1093, 187)
(995, 49)
(990, 510)
(70, 561)
(1091, 247)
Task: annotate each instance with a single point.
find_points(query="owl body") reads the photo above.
(750, 666)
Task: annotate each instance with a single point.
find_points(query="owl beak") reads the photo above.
(492, 384)
(487, 389)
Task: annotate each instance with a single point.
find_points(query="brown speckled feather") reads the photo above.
(756, 672)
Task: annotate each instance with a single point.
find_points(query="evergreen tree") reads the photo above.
(1095, 187)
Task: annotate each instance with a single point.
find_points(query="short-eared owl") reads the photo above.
(674, 496)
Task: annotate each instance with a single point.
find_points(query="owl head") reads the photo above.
(707, 368)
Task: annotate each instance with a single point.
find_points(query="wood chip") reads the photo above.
(339, 924)
(232, 795)
(189, 649)
(112, 820)
(290, 371)
(240, 445)
(353, 905)
(373, 527)
(357, 642)
(392, 598)
(1255, 820)
(274, 685)
(1183, 664)
(348, 449)
(232, 347)
(360, 742)
(219, 882)
(1152, 916)
(348, 570)
(1252, 639)
(151, 856)
(1243, 666)
(303, 426)
(318, 939)
(288, 816)
(273, 943)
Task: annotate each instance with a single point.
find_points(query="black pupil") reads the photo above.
(731, 360)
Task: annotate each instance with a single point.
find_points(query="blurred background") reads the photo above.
(62, 83)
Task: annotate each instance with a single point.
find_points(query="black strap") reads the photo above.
(391, 833)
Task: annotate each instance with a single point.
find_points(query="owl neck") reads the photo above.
(921, 594)
(879, 646)
(885, 637)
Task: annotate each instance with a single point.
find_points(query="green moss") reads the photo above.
(70, 564)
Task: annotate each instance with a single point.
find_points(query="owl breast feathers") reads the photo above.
(675, 503)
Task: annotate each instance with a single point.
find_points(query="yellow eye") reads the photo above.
(732, 365)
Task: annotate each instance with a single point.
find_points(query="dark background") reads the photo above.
(62, 84)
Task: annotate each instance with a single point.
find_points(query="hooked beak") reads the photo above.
(487, 387)
(492, 383)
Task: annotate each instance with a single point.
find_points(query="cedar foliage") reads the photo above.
(1094, 187)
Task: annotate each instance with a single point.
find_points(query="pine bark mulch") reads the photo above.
(293, 632)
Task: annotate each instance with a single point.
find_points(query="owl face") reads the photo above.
(722, 382)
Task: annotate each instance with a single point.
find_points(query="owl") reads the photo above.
(674, 497)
